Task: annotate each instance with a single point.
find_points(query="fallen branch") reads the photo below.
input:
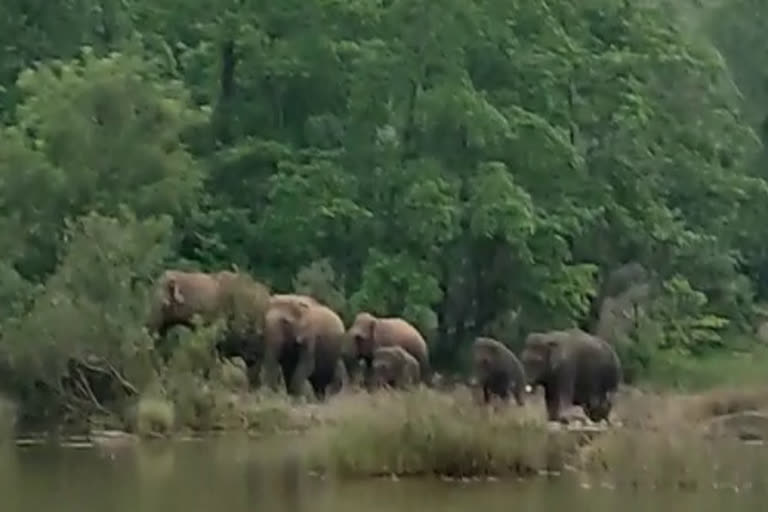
(83, 381)
(111, 370)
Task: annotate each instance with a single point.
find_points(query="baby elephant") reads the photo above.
(394, 367)
(497, 370)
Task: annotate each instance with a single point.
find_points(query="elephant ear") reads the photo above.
(174, 295)
(292, 316)
(372, 329)
(555, 353)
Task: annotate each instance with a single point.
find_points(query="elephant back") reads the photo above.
(327, 327)
(244, 300)
(198, 291)
(396, 331)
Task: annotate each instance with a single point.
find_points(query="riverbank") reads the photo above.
(656, 439)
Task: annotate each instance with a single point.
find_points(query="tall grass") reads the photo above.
(8, 417)
(663, 443)
(427, 432)
(657, 439)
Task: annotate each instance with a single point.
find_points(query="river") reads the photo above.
(239, 475)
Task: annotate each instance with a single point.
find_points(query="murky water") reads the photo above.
(238, 475)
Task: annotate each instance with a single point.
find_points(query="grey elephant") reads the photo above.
(180, 297)
(303, 339)
(368, 332)
(394, 367)
(497, 370)
(574, 368)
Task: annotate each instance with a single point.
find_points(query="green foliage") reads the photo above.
(714, 370)
(82, 345)
(318, 279)
(94, 134)
(475, 167)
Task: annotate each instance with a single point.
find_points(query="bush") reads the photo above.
(81, 347)
(425, 432)
(155, 416)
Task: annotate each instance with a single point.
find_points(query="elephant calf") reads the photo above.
(368, 333)
(574, 368)
(394, 367)
(497, 370)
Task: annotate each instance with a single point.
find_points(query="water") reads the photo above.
(238, 475)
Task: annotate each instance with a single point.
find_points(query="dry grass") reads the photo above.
(664, 442)
(656, 441)
(8, 417)
(655, 411)
(427, 432)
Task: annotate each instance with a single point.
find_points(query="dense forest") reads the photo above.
(477, 167)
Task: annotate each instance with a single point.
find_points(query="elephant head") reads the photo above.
(287, 334)
(361, 334)
(483, 355)
(383, 373)
(541, 355)
(169, 303)
(291, 320)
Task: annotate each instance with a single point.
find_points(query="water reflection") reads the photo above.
(239, 475)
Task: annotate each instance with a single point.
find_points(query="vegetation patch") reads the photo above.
(425, 432)
(429, 433)
(155, 416)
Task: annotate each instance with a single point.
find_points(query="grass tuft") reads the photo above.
(427, 432)
(154, 416)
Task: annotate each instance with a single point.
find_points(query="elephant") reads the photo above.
(574, 368)
(497, 370)
(394, 367)
(292, 298)
(369, 332)
(179, 297)
(303, 339)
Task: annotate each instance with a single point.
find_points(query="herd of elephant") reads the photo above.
(306, 341)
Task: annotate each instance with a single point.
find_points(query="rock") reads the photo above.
(745, 426)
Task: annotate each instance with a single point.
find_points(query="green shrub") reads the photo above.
(155, 416)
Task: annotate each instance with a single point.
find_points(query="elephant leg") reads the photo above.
(598, 408)
(503, 393)
(519, 393)
(486, 394)
(322, 379)
(341, 378)
(302, 370)
(253, 372)
(566, 396)
(319, 388)
(552, 398)
(271, 368)
(425, 370)
(368, 374)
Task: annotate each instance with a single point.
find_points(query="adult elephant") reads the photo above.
(180, 297)
(394, 367)
(574, 368)
(369, 332)
(303, 340)
(497, 370)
